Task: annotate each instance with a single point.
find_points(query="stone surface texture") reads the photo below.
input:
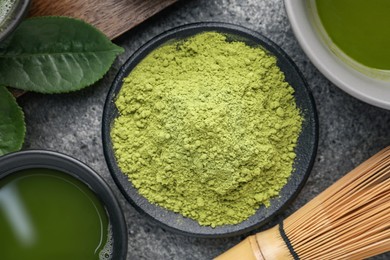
(350, 130)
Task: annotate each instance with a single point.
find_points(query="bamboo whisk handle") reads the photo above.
(267, 245)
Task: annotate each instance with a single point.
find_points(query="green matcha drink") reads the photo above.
(360, 28)
(5, 8)
(47, 214)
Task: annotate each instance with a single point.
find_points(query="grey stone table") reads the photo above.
(350, 130)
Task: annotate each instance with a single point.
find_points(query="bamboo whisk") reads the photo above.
(349, 220)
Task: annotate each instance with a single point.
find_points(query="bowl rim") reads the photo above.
(333, 68)
(32, 159)
(16, 17)
(134, 59)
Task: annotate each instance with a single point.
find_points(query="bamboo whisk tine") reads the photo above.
(349, 220)
(350, 209)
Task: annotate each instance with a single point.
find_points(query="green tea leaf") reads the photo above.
(55, 55)
(12, 128)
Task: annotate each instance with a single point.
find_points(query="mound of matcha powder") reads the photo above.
(207, 128)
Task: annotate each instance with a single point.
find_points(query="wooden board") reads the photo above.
(113, 17)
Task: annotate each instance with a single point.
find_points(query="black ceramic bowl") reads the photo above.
(16, 14)
(305, 150)
(52, 160)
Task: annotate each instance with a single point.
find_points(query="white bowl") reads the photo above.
(369, 85)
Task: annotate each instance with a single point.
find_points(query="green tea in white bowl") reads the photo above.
(347, 41)
(357, 31)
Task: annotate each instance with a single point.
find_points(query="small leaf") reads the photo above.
(55, 55)
(12, 128)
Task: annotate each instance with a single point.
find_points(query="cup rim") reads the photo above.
(30, 159)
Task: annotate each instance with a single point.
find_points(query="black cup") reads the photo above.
(52, 160)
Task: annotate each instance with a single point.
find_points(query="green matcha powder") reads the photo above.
(207, 128)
